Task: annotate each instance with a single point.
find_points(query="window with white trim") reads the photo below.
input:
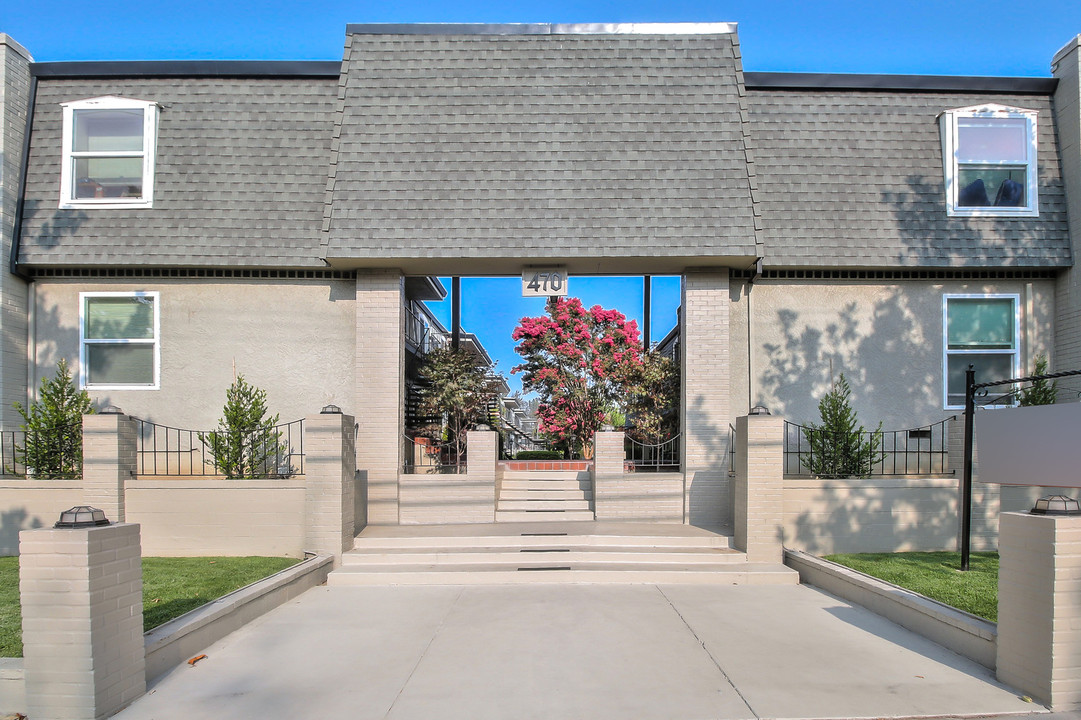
(108, 153)
(982, 330)
(989, 157)
(118, 337)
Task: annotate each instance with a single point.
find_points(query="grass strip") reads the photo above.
(171, 587)
(937, 575)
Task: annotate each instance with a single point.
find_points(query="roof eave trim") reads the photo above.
(899, 83)
(704, 28)
(188, 68)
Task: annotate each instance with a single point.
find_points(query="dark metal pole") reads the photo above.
(455, 312)
(966, 477)
(647, 287)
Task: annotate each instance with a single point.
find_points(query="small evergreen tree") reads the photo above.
(653, 406)
(1040, 392)
(247, 443)
(53, 427)
(840, 447)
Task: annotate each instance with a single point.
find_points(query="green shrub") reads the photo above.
(840, 447)
(247, 443)
(539, 455)
(53, 426)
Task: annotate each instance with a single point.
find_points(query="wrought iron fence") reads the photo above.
(274, 453)
(57, 455)
(425, 456)
(642, 457)
(916, 451)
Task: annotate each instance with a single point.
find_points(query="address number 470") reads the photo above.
(546, 282)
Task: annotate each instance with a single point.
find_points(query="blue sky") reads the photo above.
(941, 37)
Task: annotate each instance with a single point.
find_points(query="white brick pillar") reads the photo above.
(82, 606)
(108, 462)
(705, 397)
(482, 453)
(380, 389)
(608, 455)
(759, 491)
(329, 484)
(1039, 607)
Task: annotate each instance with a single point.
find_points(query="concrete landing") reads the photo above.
(641, 652)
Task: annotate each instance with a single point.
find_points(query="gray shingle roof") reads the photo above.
(560, 146)
(240, 177)
(855, 179)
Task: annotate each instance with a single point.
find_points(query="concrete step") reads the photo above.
(542, 515)
(583, 485)
(531, 537)
(544, 494)
(534, 505)
(578, 557)
(734, 574)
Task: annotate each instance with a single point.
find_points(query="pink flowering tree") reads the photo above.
(581, 363)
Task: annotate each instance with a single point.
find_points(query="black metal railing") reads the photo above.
(58, 454)
(659, 457)
(916, 451)
(731, 450)
(426, 456)
(273, 453)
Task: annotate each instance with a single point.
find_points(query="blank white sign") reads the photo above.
(1038, 446)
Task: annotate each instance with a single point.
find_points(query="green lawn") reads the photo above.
(171, 587)
(937, 575)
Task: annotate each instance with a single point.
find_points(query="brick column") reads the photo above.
(329, 475)
(482, 453)
(82, 607)
(705, 397)
(380, 389)
(608, 455)
(759, 491)
(1039, 607)
(108, 462)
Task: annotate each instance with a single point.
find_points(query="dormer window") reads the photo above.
(108, 153)
(989, 157)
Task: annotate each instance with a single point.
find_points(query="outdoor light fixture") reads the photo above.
(82, 516)
(330, 410)
(759, 410)
(111, 410)
(1056, 505)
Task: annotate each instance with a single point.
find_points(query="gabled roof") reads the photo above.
(460, 142)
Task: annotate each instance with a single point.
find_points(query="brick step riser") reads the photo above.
(549, 475)
(543, 516)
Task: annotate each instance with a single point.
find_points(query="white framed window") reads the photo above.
(982, 330)
(119, 340)
(989, 158)
(108, 153)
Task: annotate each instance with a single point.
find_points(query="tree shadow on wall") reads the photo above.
(885, 354)
(11, 523)
(708, 485)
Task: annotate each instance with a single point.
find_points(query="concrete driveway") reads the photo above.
(547, 652)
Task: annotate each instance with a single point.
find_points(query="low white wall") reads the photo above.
(884, 514)
(183, 517)
(27, 504)
(445, 499)
(182, 638)
(964, 634)
(639, 497)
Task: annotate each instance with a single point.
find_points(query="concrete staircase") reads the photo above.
(545, 496)
(559, 552)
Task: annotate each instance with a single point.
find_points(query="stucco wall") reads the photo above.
(886, 337)
(295, 339)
